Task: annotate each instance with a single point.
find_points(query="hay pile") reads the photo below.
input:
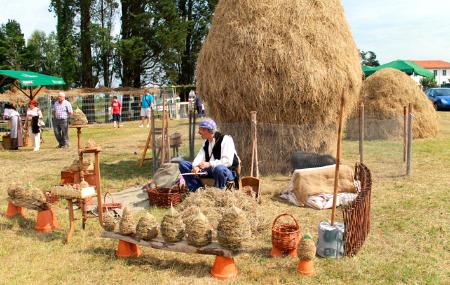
(384, 95)
(127, 225)
(27, 196)
(66, 191)
(78, 118)
(198, 231)
(172, 226)
(147, 228)
(109, 222)
(214, 202)
(290, 61)
(233, 229)
(306, 248)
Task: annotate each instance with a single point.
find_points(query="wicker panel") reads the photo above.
(357, 214)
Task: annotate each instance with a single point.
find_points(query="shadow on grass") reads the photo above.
(196, 269)
(27, 225)
(260, 252)
(125, 169)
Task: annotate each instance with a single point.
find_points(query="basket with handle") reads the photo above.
(108, 203)
(285, 236)
(165, 197)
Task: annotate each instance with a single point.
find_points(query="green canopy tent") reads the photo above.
(407, 67)
(24, 80)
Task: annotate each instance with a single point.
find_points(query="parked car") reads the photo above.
(440, 97)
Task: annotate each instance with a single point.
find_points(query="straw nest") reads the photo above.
(78, 118)
(384, 94)
(233, 229)
(27, 196)
(306, 248)
(127, 225)
(290, 61)
(147, 227)
(172, 226)
(109, 222)
(214, 202)
(198, 231)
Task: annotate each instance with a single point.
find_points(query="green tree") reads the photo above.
(12, 46)
(369, 58)
(65, 11)
(428, 82)
(35, 52)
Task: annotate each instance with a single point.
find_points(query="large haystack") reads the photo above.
(289, 60)
(384, 95)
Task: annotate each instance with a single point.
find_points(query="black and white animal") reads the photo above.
(301, 160)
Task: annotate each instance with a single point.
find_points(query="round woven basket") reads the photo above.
(165, 197)
(108, 203)
(285, 237)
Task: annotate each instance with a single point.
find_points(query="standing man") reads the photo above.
(146, 107)
(217, 157)
(62, 110)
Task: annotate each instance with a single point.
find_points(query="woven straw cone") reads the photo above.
(198, 231)
(147, 228)
(78, 118)
(189, 213)
(127, 225)
(306, 249)
(109, 223)
(172, 226)
(233, 229)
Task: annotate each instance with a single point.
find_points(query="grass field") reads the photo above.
(409, 242)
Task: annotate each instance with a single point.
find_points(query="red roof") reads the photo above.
(432, 64)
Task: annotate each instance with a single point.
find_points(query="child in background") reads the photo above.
(116, 111)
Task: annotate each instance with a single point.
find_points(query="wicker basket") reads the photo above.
(165, 197)
(108, 203)
(285, 237)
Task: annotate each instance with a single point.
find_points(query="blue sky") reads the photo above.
(393, 29)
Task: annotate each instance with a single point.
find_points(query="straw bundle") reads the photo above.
(172, 226)
(198, 232)
(233, 229)
(306, 248)
(27, 196)
(147, 228)
(384, 95)
(127, 225)
(67, 191)
(78, 118)
(109, 222)
(213, 203)
(290, 61)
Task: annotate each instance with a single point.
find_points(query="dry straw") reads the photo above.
(172, 226)
(147, 227)
(384, 95)
(288, 60)
(198, 231)
(78, 118)
(127, 225)
(27, 196)
(109, 222)
(234, 229)
(306, 248)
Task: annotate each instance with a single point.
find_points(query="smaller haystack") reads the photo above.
(384, 95)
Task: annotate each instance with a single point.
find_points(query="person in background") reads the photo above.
(33, 116)
(147, 101)
(217, 157)
(116, 111)
(199, 106)
(15, 125)
(62, 110)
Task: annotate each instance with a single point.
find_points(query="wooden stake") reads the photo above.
(254, 145)
(338, 158)
(163, 133)
(361, 132)
(410, 138)
(405, 133)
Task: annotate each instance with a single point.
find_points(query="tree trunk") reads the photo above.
(85, 42)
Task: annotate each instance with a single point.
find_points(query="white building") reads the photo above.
(440, 68)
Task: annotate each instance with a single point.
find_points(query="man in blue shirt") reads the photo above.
(147, 101)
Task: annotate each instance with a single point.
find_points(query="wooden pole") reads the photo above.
(361, 132)
(338, 158)
(405, 133)
(254, 145)
(153, 140)
(191, 152)
(167, 137)
(163, 133)
(410, 138)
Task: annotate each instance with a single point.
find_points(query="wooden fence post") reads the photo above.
(361, 133)
(410, 138)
